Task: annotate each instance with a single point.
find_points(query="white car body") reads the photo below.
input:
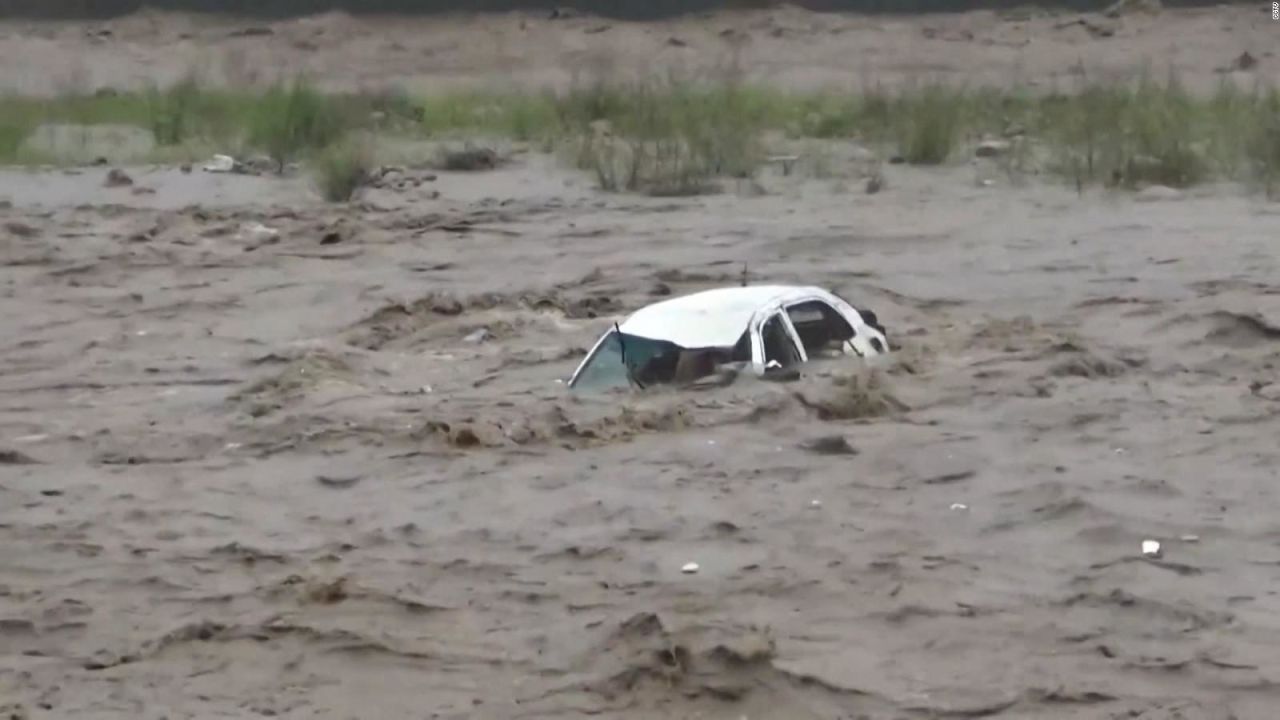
(718, 319)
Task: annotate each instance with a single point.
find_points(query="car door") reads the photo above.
(858, 330)
(819, 326)
(774, 340)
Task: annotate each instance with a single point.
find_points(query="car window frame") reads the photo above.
(860, 344)
(845, 346)
(757, 335)
(591, 356)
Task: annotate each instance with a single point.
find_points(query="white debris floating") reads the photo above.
(259, 234)
(221, 164)
(1151, 548)
(689, 568)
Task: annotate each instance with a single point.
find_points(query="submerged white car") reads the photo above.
(767, 327)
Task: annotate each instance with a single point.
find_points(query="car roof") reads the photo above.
(713, 318)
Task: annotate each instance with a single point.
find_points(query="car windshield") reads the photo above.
(649, 362)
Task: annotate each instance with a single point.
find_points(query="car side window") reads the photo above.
(778, 345)
(820, 327)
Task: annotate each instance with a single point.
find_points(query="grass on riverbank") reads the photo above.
(342, 168)
(670, 137)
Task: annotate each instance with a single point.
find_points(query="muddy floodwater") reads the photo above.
(334, 472)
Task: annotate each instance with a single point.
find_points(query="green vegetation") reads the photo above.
(1146, 134)
(669, 137)
(665, 139)
(14, 130)
(173, 114)
(930, 125)
(343, 168)
(294, 119)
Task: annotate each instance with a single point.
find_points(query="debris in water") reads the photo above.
(338, 483)
(22, 230)
(829, 445)
(689, 568)
(470, 159)
(992, 148)
(1190, 538)
(1151, 548)
(478, 336)
(221, 164)
(257, 235)
(13, 457)
(959, 506)
(118, 178)
(815, 504)
(786, 161)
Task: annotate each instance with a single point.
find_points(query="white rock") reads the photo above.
(1151, 548)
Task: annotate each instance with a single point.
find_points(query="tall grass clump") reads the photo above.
(1263, 144)
(293, 120)
(343, 168)
(665, 138)
(867, 116)
(517, 115)
(829, 116)
(173, 113)
(1135, 134)
(1229, 128)
(1162, 137)
(929, 122)
(16, 123)
(1078, 128)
